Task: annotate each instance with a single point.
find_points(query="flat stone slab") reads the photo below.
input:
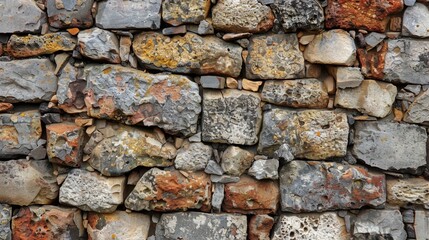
(5, 220)
(372, 223)
(69, 14)
(21, 16)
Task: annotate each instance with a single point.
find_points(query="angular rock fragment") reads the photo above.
(90, 191)
(242, 16)
(260, 227)
(299, 93)
(35, 45)
(224, 179)
(5, 220)
(70, 92)
(30, 80)
(214, 82)
(98, 44)
(390, 146)
(265, 169)
(27, 182)
(274, 56)
(21, 16)
(180, 12)
(193, 157)
(310, 134)
(404, 192)
(370, 97)
(213, 167)
(322, 186)
(376, 224)
(347, 77)
(69, 14)
(416, 21)
(372, 62)
(119, 14)
(299, 14)
(231, 116)
(171, 102)
(235, 161)
(5, 107)
(191, 225)
(417, 111)
(188, 54)
(159, 190)
(118, 225)
(217, 196)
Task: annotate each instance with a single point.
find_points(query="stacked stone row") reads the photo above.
(227, 119)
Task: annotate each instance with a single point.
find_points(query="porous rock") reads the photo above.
(5, 220)
(193, 157)
(21, 16)
(373, 224)
(235, 160)
(100, 45)
(403, 192)
(179, 12)
(299, 14)
(69, 14)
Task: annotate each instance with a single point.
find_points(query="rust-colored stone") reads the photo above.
(73, 31)
(372, 62)
(260, 227)
(4, 107)
(395, 24)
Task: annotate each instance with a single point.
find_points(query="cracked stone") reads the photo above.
(69, 14)
(70, 92)
(21, 16)
(100, 45)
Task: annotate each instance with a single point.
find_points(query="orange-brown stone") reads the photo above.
(260, 227)
(372, 62)
(4, 107)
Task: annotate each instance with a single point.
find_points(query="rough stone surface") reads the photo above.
(5, 219)
(70, 92)
(416, 21)
(335, 47)
(171, 102)
(31, 182)
(372, 62)
(100, 45)
(408, 191)
(30, 80)
(347, 77)
(180, 12)
(231, 116)
(421, 224)
(90, 191)
(118, 225)
(159, 190)
(260, 227)
(192, 225)
(379, 224)
(417, 111)
(274, 56)
(390, 146)
(322, 186)
(372, 15)
(265, 169)
(370, 97)
(224, 179)
(119, 14)
(188, 54)
(310, 134)
(68, 14)
(235, 161)
(242, 16)
(213, 167)
(299, 93)
(21, 16)
(193, 157)
(325, 226)
(218, 196)
(299, 14)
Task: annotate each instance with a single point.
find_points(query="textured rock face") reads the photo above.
(416, 21)
(194, 224)
(325, 226)
(154, 191)
(299, 14)
(334, 47)
(408, 191)
(250, 196)
(385, 224)
(322, 186)
(372, 16)
(372, 62)
(21, 16)
(390, 146)
(371, 97)
(19, 133)
(178, 12)
(231, 116)
(274, 56)
(417, 112)
(193, 157)
(99, 44)
(260, 227)
(310, 134)
(31, 182)
(171, 102)
(70, 92)
(265, 169)
(242, 16)
(30, 80)
(235, 161)
(188, 54)
(347, 77)
(5, 219)
(47, 222)
(66, 14)
(118, 225)
(119, 14)
(299, 93)
(90, 191)
(421, 223)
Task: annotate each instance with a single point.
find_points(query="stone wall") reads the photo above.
(227, 119)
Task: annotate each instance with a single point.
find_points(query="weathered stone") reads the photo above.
(242, 16)
(174, 30)
(250, 196)
(65, 143)
(193, 157)
(30, 80)
(372, 16)
(251, 85)
(416, 21)
(5, 107)
(417, 111)
(218, 196)
(236, 36)
(403, 192)
(214, 82)
(213, 167)
(323, 226)
(68, 14)
(125, 43)
(265, 169)
(390, 146)
(224, 179)
(379, 224)
(5, 219)
(322, 186)
(260, 227)
(21, 16)
(191, 225)
(159, 190)
(19, 133)
(188, 54)
(335, 47)
(235, 160)
(373, 39)
(299, 93)
(180, 12)
(119, 14)
(372, 62)
(90, 191)
(70, 92)
(421, 224)
(171, 102)
(118, 225)
(370, 97)
(347, 77)
(310, 134)
(231, 116)
(98, 44)
(27, 182)
(35, 45)
(274, 56)
(299, 14)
